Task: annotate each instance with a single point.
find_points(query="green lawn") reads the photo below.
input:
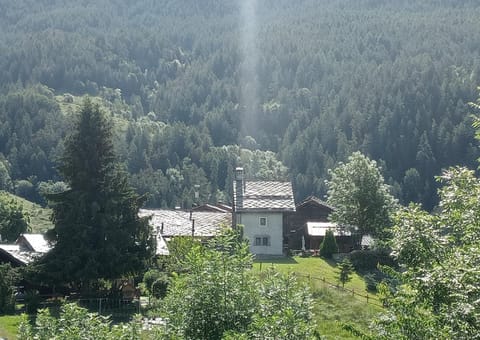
(333, 306)
(9, 325)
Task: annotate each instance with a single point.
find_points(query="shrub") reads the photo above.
(329, 245)
(156, 283)
(368, 260)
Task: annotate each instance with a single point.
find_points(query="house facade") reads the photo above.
(311, 209)
(261, 207)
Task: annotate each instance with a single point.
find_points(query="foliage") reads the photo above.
(329, 246)
(360, 196)
(75, 323)
(13, 219)
(216, 295)
(174, 90)
(156, 283)
(439, 255)
(220, 297)
(285, 310)
(367, 260)
(8, 278)
(179, 248)
(345, 271)
(97, 233)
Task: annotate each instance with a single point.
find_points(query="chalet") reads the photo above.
(311, 209)
(261, 207)
(25, 250)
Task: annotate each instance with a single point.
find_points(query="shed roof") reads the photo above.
(320, 228)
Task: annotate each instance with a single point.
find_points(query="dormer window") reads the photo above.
(263, 222)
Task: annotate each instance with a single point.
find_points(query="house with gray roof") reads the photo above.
(27, 248)
(261, 207)
(203, 224)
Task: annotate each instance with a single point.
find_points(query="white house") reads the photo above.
(261, 206)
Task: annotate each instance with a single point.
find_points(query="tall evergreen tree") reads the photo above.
(97, 232)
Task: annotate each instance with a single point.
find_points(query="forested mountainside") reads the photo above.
(196, 87)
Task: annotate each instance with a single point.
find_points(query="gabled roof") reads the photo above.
(315, 201)
(15, 256)
(26, 249)
(179, 222)
(264, 196)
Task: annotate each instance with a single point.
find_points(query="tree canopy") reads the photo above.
(360, 196)
(13, 220)
(438, 254)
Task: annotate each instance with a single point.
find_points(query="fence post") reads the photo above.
(367, 297)
(100, 306)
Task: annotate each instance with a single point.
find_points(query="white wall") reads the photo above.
(273, 230)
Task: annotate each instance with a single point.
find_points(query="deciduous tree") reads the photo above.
(360, 196)
(13, 220)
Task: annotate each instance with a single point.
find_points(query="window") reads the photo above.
(263, 221)
(263, 241)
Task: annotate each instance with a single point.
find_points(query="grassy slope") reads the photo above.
(332, 306)
(39, 217)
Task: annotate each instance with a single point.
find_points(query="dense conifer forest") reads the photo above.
(197, 87)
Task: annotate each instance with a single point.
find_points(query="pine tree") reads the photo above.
(97, 232)
(345, 271)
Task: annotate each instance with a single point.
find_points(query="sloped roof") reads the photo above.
(34, 242)
(213, 208)
(16, 255)
(179, 223)
(320, 228)
(265, 195)
(316, 201)
(26, 248)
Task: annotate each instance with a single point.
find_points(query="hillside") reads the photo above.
(309, 81)
(39, 217)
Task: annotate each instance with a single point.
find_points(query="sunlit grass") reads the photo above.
(9, 326)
